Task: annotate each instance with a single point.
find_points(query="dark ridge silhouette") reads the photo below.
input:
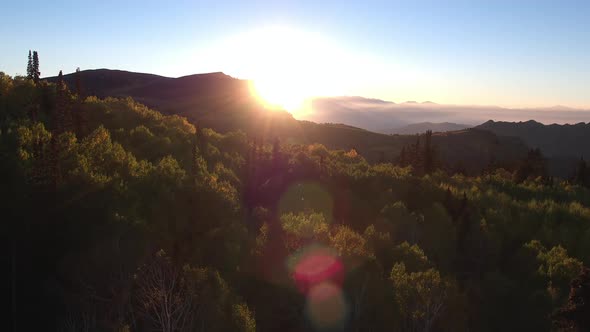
(225, 104)
(554, 140)
(564, 144)
(382, 116)
(422, 127)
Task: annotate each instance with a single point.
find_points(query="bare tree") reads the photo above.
(79, 321)
(163, 296)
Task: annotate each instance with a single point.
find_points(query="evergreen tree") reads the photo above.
(403, 158)
(381, 157)
(59, 113)
(30, 67)
(581, 176)
(276, 154)
(532, 166)
(428, 153)
(78, 83)
(575, 315)
(416, 156)
(58, 126)
(79, 117)
(36, 73)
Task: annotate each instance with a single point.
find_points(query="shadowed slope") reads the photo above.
(224, 103)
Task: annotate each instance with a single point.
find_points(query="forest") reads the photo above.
(120, 218)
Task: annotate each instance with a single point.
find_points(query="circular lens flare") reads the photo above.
(316, 265)
(326, 307)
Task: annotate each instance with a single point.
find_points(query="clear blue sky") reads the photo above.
(514, 53)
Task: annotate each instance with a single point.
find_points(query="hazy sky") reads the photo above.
(508, 53)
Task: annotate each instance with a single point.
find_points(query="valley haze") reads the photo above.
(382, 116)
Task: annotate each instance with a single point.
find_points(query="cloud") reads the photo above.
(379, 115)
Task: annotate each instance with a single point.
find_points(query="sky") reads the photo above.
(506, 53)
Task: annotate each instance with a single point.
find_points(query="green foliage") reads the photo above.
(304, 228)
(421, 297)
(243, 318)
(84, 208)
(348, 243)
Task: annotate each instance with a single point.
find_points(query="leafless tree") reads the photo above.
(79, 321)
(163, 296)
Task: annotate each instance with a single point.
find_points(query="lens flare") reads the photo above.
(315, 265)
(326, 306)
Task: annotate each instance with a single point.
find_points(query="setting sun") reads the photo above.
(288, 66)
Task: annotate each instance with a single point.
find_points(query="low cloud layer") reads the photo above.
(382, 116)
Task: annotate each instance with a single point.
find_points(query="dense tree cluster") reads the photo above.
(122, 219)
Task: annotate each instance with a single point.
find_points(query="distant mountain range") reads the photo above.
(224, 103)
(563, 144)
(382, 116)
(422, 127)
(554, 140)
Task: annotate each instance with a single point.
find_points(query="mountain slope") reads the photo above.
(419, 128)
(224, 103)
(381, 116)
(554, 140)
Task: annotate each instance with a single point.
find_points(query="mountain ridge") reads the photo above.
(421, 127)
(225, 104)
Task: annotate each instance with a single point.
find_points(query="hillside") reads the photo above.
(421, 127)
(213, 99)
(561, 144)
(107, 212)
(554, 140)
(225, 104)
(382, 116)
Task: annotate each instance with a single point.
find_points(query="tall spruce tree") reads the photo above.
(59, 111)
(276, 154)
(30, 67)
(581, 176)
(403, 158)
(575, 315)
(78, 116)
(78, 83)
(36, 72)
(428, 153)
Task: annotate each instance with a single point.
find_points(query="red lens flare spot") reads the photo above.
(317, 266)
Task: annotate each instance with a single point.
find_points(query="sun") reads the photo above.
(287, 67)
(280, 94)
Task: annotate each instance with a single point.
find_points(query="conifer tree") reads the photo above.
(416, 156)
(78, 116)
(78, 83)
(581, 176)
(59, 113)
(403, 158)
(30, 67)
(575, 315)
(428, 153)
(276, 154)
(58, 126)
(36, 72)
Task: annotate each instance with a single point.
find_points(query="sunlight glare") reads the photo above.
(288, 66)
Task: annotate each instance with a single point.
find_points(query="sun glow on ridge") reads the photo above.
(287, 67)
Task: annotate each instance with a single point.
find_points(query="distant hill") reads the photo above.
(422, 127)
(382, 116)
(215, 100)
(562, 144)
(224, 103)
(554, 140)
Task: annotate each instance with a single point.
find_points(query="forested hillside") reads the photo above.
(563, 145)
(554, 140)
(227, 104)
(422, 127)
(120, 218)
